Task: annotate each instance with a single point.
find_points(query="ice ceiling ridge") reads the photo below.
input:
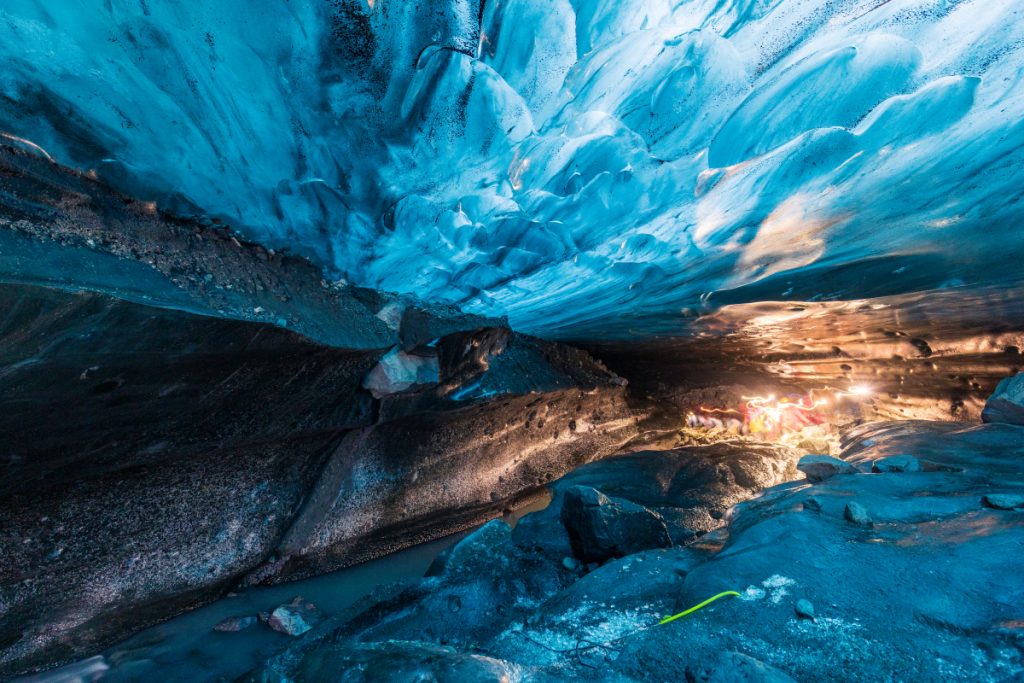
(590, 168)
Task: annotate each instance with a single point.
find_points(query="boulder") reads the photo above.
(692, 488)
(804, 609)
(295, 618)
(1003, 501)
(474, 554)
(855, 513)
(1006, 404)
(818, 468)
(601, 528)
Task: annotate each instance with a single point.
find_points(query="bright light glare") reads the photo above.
(861, 390)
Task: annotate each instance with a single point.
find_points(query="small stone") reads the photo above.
(818, 468)
(570, 564)
(234, 624)
(812, 504)
(804, 609)
(856, 513)
(897, 463)
(295, 617)
(1003, 501)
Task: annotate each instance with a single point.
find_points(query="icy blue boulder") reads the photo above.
(1006, 405)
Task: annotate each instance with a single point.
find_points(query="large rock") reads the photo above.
(1006, 405)
(693, 489)
(818, 468)
(154, 458)
(601, 528)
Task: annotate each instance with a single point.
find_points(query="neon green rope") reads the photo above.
(697, 607)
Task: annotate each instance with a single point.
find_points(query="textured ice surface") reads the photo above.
(588, 167)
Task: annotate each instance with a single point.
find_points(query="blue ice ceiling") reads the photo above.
(587, 167)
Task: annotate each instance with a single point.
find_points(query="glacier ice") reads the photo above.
(590, 168)
(397, 371)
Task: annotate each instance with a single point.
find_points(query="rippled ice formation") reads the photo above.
(587, 167)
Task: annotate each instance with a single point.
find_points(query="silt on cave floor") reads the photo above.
(467, 340)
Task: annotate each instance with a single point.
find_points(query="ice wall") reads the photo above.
(591, 168)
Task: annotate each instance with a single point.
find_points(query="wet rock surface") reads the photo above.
(816, 592)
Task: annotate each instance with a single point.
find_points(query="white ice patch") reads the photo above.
(774, 588)
(398, 371)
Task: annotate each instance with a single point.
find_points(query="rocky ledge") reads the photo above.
(154, 459)
(901, 561)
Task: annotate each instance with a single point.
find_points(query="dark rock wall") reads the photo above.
(153, 458)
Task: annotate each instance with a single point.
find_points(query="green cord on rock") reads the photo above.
(697, 607)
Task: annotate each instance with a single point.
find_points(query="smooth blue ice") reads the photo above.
(591, 168)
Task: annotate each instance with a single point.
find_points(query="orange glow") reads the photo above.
(762, 415)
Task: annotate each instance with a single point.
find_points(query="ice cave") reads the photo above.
(520, 341)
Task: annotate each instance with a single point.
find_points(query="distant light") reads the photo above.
(861, 390)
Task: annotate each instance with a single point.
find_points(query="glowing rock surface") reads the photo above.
(590, 168)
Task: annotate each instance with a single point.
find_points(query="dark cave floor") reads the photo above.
(904, 555)
(912, 569)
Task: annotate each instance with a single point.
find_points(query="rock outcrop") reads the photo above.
(154, 458)
(1006, 404)
(815, 591)
(601, 528)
